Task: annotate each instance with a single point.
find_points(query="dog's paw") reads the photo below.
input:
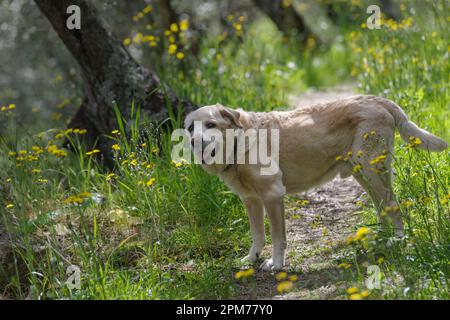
(269, 265)
(251, 258)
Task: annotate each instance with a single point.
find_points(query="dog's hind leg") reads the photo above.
(371, 160)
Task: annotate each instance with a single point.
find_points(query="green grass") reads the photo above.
(181, 235)
(410, 66)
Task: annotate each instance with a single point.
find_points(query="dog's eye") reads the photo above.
(191, 127)
(210, 125)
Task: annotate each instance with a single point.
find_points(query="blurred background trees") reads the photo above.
(153, 216)
(111, 77)
(147, 37)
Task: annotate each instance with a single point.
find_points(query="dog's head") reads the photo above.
(207, 129)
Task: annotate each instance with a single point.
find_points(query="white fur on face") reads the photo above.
(206, 127)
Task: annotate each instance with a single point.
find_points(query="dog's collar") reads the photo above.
(228, 167)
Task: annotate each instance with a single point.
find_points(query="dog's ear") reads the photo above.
(230, 114)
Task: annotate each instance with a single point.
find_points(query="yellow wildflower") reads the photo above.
(180, 55)
(172, 49)
(362, 232)
(115, 147)
(415, 141)
(60, 153)
(73, 200)
(37, 150)
(9, 206)
(126, 42)
(85, 195)
(344, 265)
(249, 272)
(174, 27)
(352, 290)
(184, 25)
(148, 38)
(237, 26)
(138, 38)
(293, 278)
(147, 9)
(178, 164)
(151, 182)
(378, 159)
(446, 199)
(356, 296)
(349, 240)
(281, 276)
(242, 274)
(286, 3)
(408, 203)
(302, 202)
(284, 286)
(90, 153)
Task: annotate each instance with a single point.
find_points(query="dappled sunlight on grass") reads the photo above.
(151, 228)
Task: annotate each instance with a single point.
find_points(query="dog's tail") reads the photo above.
(409, 131)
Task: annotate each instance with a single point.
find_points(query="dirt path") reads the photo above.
(317, 223)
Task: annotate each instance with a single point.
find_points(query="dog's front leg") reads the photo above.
(275, 211)
(255, 211)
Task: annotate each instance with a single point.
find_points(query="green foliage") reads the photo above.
(155, 229)
(407, 61)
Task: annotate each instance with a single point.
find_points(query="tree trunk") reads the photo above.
(287, 19)
(167, 13)
(339, 12)
(390, 9)
(110, 75)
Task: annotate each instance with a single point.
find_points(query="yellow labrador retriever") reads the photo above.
(352, 136)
